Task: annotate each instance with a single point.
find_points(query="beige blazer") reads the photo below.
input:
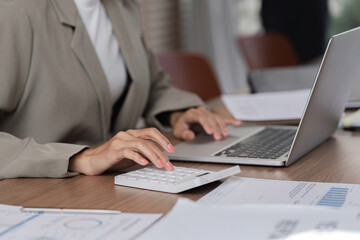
(54, 97)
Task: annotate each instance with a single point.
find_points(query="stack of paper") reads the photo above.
(189, 220)
(286, 105)
(250, 208)
(352, 120)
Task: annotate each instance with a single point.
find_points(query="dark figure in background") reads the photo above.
(303, 22)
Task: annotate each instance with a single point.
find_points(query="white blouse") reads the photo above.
(106, 45)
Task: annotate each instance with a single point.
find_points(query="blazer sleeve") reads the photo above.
(23, 157)
(26, 158)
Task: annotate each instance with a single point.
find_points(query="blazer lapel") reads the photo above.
(133, 52)
(85, 52)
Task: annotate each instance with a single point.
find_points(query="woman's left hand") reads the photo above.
(212, 123)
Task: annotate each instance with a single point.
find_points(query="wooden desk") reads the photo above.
(336, 160)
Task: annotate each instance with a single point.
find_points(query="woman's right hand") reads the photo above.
(136, 145)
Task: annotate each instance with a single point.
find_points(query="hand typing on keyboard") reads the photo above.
(212, 123)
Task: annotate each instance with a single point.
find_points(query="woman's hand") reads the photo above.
(212, 123)
(136, 145)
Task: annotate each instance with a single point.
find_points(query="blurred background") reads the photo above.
(222, 31)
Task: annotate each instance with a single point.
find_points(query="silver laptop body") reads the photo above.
(339, 69)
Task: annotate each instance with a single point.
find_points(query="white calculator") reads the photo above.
(178, 180)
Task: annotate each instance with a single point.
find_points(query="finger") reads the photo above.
(213, 121)
(207, 121)
(143, 147)
(121, 149)
(194, 116)
(163, 158)
(136, 157)
(188, 135)
(181, 130)
(221, 123)
(155, 135)
(214, 124)
(232, 121)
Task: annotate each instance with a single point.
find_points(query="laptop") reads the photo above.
(283, 145)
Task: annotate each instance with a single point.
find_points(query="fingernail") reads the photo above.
(143, 161)
(225, 132)
(190, 136)
(160, 163)
(217, 136)
(169, 166)
(171, 148)
(209, 130)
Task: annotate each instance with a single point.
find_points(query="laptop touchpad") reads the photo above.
(205, 145)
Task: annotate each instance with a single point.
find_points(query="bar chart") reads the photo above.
(335, 197)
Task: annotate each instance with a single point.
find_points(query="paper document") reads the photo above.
(287, 105)
(237, 190)
(189, 220)
(352, 120)
(353, 104)
(18, 225)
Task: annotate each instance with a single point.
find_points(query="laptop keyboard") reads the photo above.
(270, 143)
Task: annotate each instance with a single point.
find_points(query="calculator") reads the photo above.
(176, 181)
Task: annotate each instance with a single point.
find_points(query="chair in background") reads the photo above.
(267, 50)
(191, 72)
